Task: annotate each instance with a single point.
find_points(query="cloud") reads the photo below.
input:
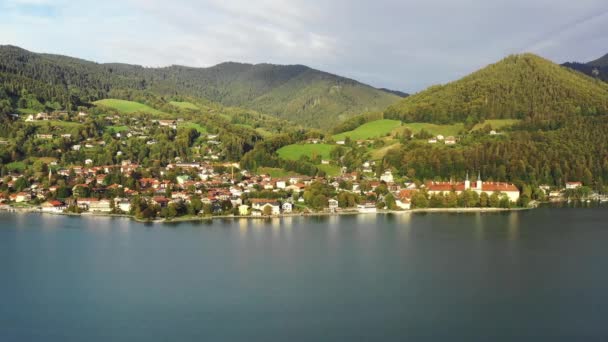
(400, 44)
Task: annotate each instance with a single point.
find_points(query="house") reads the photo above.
(44, 136)
(341, 142)
(387, 177)
(168, 123)
(366, 208)
(440, 137)
(261, 204)
(88, 161)
(243, 210)
(432, 141)
(333, 204)
(21, 197)
(102, 206)
(573, 185)
(404, 203)
(287, 207)
(450, 140)
(53, 207)
(123, 204)
(479, 187)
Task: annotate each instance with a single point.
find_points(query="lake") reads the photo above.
(538, 275)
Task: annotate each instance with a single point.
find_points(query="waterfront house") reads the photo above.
(573, 185)
(243, 210)
(287, 207)
(53, 207)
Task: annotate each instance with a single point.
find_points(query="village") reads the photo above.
(206, 186)
(198, 189)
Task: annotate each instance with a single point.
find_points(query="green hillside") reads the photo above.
(518, 87)
(184, 105)
(295, 92)
(127, 107)
(370, 130)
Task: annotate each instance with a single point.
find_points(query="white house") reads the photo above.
(573, 185)
(261, 204)
(387, 177)
(287, 207)
(333, 204)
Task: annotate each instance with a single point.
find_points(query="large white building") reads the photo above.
(479, 187)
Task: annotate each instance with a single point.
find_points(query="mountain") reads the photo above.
(519, 86)
(597, 68)
(600, 62)
(293, 92)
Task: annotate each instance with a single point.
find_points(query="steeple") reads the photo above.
(479, 182)
(467, 182)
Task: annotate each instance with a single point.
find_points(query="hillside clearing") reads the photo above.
(370, 130)
(496, 124)
(295, 151)
(127, 107)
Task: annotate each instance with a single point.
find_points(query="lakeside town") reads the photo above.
(208, 187)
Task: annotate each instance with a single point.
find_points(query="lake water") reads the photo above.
(539, 275)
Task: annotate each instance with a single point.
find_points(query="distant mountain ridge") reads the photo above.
(597, 68)
(518, 87)
(294, 92)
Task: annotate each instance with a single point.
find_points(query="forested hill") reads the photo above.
(597, 68)
(292, 92)
(519, 86)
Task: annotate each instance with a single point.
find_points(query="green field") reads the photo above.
(496, 124)
(295, 151)
(330, 170)
(184, 105)
(117, 129)
(381, 152)
(198, 127)
(445, 130)
(127, 107)
(373, 129)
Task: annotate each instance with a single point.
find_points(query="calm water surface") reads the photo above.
(538, 275)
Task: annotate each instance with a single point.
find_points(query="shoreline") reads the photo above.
(250, 217)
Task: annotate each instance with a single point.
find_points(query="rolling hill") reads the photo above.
(294, 92)
(517, 87)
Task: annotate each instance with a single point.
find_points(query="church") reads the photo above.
(479, 187)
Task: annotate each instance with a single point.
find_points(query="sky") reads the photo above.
(404, 45)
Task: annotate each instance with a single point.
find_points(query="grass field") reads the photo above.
(198, 127)
(295, 151)
(117, 129)
(445, 130)
(184, 105)
(330, 170)
(127, 107)
(373, 129)
(497, 124)
(381, 152)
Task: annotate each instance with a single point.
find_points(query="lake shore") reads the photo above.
(284, 215)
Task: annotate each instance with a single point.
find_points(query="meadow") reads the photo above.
(370, 130)
(295, 151)
(127, 107)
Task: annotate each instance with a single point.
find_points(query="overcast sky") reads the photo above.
(400, 44)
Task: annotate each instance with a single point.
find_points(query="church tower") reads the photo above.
(467, 182)
(479, 182)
